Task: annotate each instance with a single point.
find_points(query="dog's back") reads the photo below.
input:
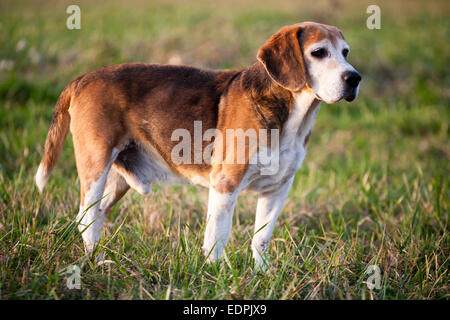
(146, 99)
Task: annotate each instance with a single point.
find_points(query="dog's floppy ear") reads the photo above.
(282, 57)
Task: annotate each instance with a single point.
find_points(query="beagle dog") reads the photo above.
(123, 118)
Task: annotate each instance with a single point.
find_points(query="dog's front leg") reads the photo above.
(267, 211)
(218, 222)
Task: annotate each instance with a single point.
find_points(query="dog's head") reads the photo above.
(311, 55)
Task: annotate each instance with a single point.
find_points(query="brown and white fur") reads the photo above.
(122, 118)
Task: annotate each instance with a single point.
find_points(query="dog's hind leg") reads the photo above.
(136, 169)
(115, 189)
(93, 169)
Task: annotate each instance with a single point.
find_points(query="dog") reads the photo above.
(122, 119)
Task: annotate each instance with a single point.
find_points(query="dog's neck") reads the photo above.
(272, 103)
(304, 110)
(301, 118)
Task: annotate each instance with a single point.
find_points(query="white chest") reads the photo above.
(292, 149)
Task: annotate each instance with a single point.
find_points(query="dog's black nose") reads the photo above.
(352, 78)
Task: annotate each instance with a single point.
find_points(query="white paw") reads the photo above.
(210, 255)
(262, 262)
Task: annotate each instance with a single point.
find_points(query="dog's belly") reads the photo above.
(141, 166)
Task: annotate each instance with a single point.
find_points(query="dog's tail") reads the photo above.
(55, 138)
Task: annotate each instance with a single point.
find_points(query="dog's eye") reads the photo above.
(319, 53)
(345, 53)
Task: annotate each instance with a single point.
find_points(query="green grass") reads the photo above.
(373, 189)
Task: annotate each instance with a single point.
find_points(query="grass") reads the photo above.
(373, 189)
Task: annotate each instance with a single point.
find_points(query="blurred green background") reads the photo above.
(373, 188)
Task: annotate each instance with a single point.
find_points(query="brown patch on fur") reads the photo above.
(316, 32)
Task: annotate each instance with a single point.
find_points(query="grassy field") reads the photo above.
(373, 189)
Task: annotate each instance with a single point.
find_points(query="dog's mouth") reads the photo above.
(350, 97)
